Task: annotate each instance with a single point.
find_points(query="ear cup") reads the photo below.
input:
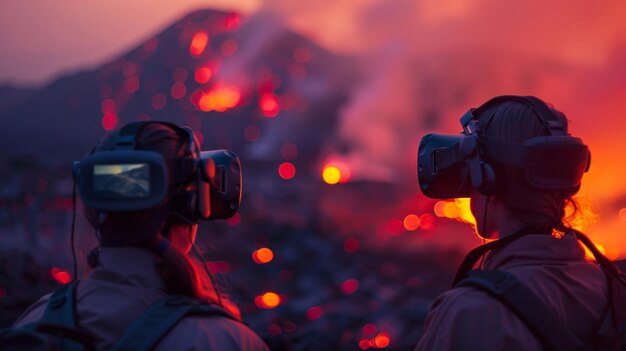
(185, 204)
(489, 186)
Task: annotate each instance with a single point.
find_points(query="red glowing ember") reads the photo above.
(178, 91)
(220, 100)
(268, 103)
(268, 300)
(109, 121)
(314, 313)
(198, 43)
(286, 170)
(350, 286)
(60, 275)
(263, 255)
(203, 74)
(351, 245)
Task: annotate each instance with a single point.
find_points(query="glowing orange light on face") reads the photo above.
(198, 43)
(263, 255)
(268, 103)
(464, 210)
(203, 74)
(450, 210)
(268, 300)
(458, 209)
(411, 222)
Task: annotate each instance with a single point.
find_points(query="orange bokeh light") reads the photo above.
(335, 172)
(198, 43)
(263, 255)
(220, 100)
(268, 300)
(381, 341)
(331, 174)
(411, 222)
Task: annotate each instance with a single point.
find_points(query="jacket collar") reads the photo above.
(134, 266)
(535, 249)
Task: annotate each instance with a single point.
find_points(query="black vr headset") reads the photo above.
(448, 166)
(125, 179)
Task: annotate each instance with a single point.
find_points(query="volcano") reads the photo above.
(240, 84)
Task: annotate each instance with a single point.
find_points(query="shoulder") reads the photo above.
(212, 333)
(467, 317)
(34, 312)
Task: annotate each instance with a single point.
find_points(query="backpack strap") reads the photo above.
(60, 320)
(147, 330)
(529, 308)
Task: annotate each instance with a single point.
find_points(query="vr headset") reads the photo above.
(124, 179)
(448, 166)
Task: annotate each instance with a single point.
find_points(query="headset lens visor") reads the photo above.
(122, 180)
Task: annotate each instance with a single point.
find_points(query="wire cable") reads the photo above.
(208, 273)
(72, 235)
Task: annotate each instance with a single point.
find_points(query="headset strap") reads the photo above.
(60, 320)
(147, 330)
(529, 308)
(552, 120)
(126, 138)
(473, 256)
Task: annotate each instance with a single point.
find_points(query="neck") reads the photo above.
(500, 222)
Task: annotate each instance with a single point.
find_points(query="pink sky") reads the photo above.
(41, 39)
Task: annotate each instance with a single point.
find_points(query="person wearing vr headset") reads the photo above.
(533, 288)
(144, 189)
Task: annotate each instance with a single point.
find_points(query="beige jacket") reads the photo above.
(122, 287)
(555, 269)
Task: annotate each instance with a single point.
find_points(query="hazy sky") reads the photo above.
(40, 39)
